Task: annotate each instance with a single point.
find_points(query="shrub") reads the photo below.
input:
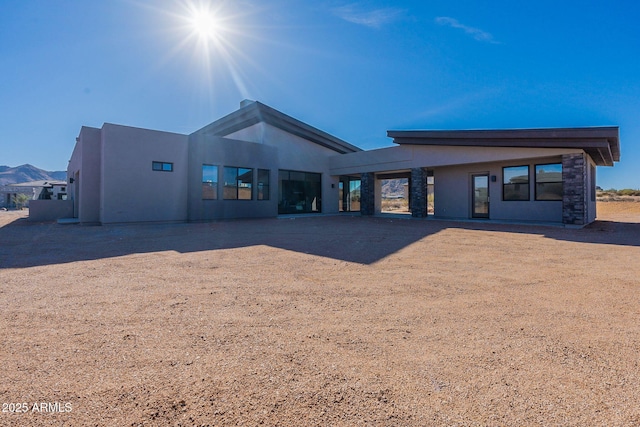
(628, 192)
(20, 200)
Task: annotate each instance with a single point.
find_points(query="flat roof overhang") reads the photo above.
(601, 143)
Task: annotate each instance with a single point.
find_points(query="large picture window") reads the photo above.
(549, 181)
(515, 183)
(209, 182)
(237, 183)
(263, 184)
(299, 192)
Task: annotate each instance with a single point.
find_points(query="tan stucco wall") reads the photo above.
(453, 193)
(453, 167)
(221, 152)
(296, 153)
(85, 168)
(131, 191)
(50, 210)
(117, 184)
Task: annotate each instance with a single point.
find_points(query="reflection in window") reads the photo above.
(209, 182)
(263, 184)
(549, 181)
(349, 192)
(162, 166)
(237, 183)
(515, 183)
(299, 192)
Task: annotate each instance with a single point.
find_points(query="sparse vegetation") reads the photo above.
(402, 204)
(395, 205)
(613, 195)
(322, 321)
(20, 200)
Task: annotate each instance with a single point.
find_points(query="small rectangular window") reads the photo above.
(209, 182)
(549, 181)
(263, 184)
(237, 183)
(162, 166)
(515, 183)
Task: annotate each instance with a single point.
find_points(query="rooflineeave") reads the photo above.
(255, 112)
(601, 143)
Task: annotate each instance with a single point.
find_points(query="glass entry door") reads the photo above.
(349, 190)
(480, 196)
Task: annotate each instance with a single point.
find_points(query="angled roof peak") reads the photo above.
(253, 112)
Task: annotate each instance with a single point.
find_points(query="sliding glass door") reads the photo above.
(299, 192)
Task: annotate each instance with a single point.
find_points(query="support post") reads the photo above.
(574, 189)
(367, 193)
(418, 193)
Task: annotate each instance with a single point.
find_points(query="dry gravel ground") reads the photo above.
(339, 321)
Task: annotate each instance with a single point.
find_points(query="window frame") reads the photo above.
(528, 183)
(162, 166)
(263, 190)
(309, 181)
(237, 182)
(561, 182)
(213, 184)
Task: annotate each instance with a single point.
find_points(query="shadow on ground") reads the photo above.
(350, 238)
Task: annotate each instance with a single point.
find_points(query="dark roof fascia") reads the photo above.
(257, 112)
(602, 143)
(239, 119)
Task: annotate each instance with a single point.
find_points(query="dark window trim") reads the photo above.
(289, 171)
(535, 181)
(161, 166)
(528, 183)
(215, 183)
(237, 186)
(265, 195)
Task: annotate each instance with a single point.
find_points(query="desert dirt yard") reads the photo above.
(328, 320)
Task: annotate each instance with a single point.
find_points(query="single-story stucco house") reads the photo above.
(259, 162)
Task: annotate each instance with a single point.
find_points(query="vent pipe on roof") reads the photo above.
(246, 102)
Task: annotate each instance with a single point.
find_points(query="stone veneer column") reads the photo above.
(418, 190)
(367, 193)
(574, 189)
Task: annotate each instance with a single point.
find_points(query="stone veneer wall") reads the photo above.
(574, 184)
(367, 193)
(418, 196)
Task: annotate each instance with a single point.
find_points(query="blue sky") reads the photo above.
(353, 69)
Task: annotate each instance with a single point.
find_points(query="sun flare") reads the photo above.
(205, 23)
(216, 34)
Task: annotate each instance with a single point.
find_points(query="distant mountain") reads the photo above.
(28, 173)
(394, 187)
